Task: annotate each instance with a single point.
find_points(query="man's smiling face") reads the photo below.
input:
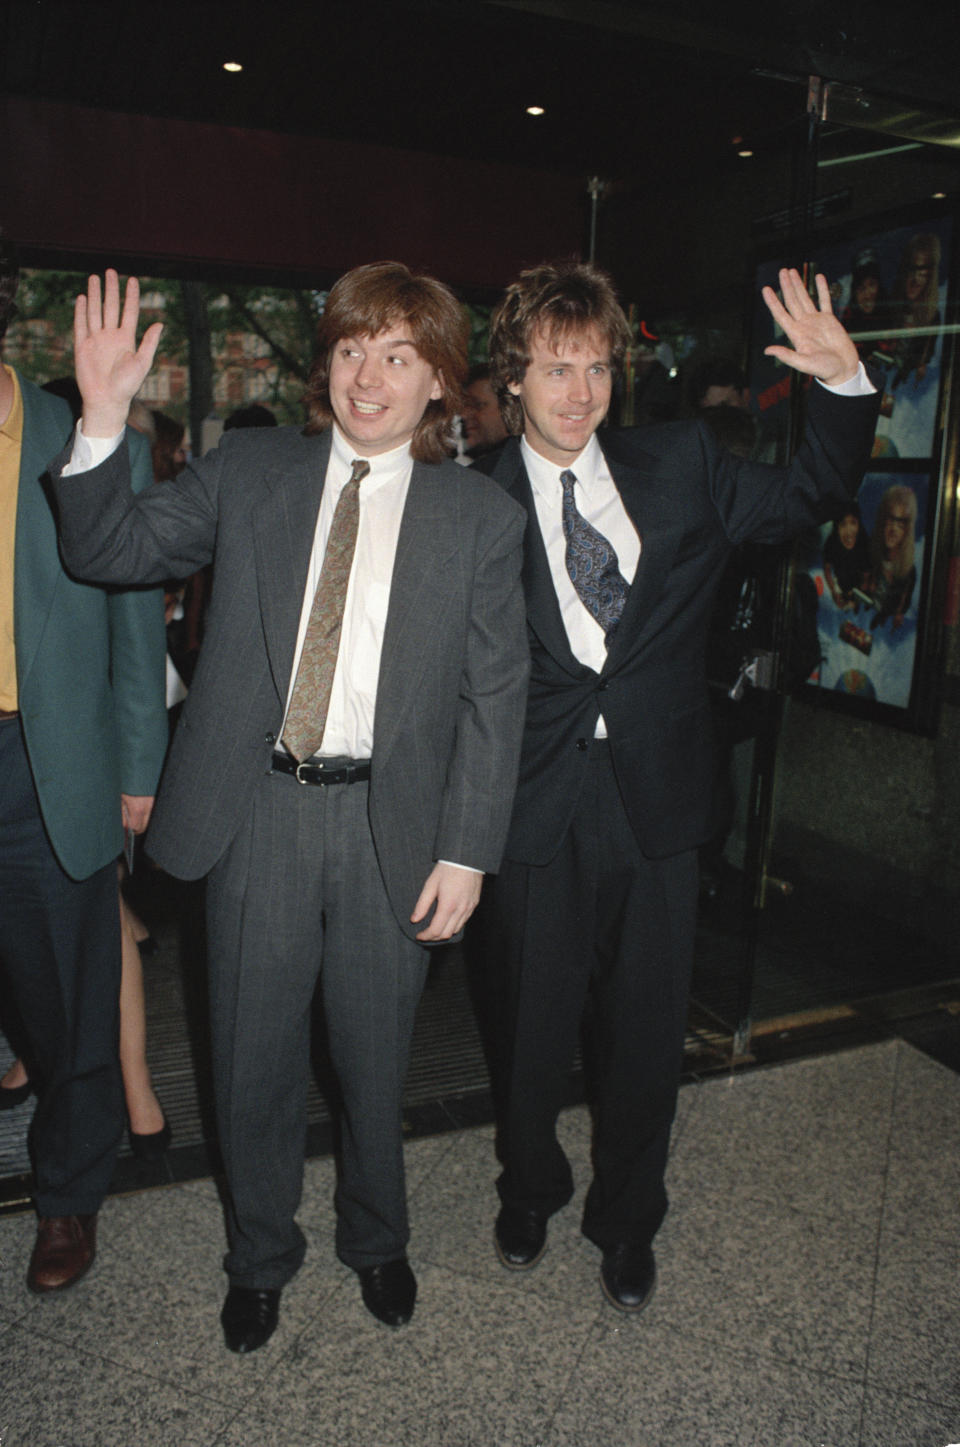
(379, 389)
(565, 393)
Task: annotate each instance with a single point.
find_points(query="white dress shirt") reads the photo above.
(383, 493)
(600, 503)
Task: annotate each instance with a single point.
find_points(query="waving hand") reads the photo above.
(110, 366)
(821, 346)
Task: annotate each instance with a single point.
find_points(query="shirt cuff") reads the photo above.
(89, 452)
(859, 385)
(468, 867)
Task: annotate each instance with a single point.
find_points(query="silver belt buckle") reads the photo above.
(303, 765)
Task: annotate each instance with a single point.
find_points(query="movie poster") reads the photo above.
(871, 563)
(867, 567)
(890, 289)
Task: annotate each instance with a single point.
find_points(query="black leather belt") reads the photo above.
(314, 771)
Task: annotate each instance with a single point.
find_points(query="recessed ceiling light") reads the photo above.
(535, 111)
(939, 196)
(744, 153)
(233, 66)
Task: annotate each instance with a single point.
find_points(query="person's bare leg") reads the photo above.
(143, 1107)
(15, 1078)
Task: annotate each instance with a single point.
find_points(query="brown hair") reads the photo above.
(556, 299)
(364, 303)
(168, 434)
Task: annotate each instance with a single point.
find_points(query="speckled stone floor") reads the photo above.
(808, 1297)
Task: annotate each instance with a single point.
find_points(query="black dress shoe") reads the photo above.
(151, 1146)
(628, 1276)
(389, 1291)
(249, 1316)
(520, 1238)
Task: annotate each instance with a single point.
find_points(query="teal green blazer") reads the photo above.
(90, 664)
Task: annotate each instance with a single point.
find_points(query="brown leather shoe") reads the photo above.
(64, 1251)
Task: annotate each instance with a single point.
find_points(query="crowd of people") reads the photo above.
(422, 688)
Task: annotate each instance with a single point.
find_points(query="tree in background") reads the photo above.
(223, 346)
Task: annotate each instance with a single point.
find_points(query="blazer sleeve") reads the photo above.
(111, 533)
(137, 665)
(765, 504)
(481, 778)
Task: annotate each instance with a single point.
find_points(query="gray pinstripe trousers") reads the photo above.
(297, 896)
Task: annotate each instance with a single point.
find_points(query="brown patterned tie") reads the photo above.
(307, 714)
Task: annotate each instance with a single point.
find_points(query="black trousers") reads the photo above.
(60, 955)
(599, 920)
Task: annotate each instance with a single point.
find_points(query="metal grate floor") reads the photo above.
(797, 976)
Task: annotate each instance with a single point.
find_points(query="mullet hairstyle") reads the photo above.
(368, 300)
(555, 300)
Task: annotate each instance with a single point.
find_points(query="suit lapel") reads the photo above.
(543, 609)
(646, 497)
(284, 523)
(37, 571)
(428, 540)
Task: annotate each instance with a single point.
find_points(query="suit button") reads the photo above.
(269, 738)
(582, 745)
(603, 685)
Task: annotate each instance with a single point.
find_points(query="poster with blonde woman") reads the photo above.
(891, 293)
(867, 567)
(890, 287)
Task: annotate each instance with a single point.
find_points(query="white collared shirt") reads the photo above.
(600, 503)
(383, 493)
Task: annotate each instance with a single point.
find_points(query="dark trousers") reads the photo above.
(299, 895)
(60, 954)
(600, 920)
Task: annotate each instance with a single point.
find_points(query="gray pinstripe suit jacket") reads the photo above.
(453, 675)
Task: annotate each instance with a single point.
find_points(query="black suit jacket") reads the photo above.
(691, 502)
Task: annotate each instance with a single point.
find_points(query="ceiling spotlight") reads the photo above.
(939, 196)
(535, 111)
(233, 66)
(744, 153)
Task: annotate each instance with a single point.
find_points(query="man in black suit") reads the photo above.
(627, 537)
(344, 800)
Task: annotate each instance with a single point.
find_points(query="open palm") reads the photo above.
(110, 366)
(821, 346)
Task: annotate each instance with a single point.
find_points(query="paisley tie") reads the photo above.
(592, 564)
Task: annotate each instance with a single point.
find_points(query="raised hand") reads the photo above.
(110, 366)
(821, 346)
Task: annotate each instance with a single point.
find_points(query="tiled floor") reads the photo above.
(809, 1296)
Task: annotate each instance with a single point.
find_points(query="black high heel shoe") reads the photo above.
(11, 1095)
(150, 1147)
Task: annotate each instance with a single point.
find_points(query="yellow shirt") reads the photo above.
(11, 437)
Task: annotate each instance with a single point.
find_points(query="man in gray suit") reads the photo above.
(345, 803)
